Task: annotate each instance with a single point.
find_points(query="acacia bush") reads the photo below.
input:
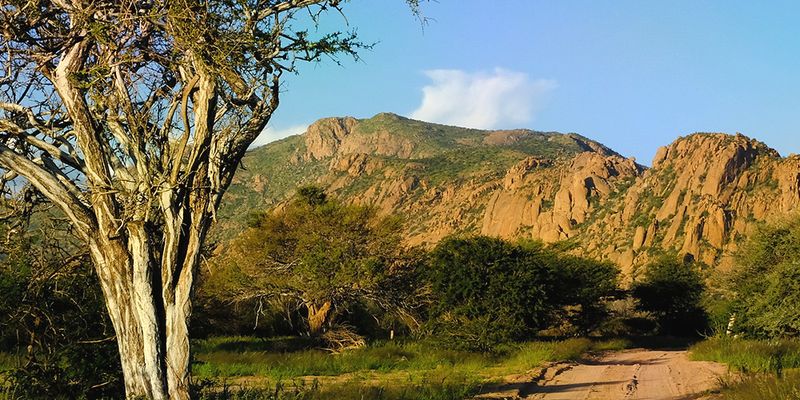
(765, 284)
(583, 290)
(672, 292)
(487, 291)
(330, 264)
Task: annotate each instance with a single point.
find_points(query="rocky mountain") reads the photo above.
(702, 195)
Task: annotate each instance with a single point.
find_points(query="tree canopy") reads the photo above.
(324, 257)
(765, 283)
(672, 291)
(488, 291)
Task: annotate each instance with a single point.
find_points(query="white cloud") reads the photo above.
(500, 99)
(272, 134)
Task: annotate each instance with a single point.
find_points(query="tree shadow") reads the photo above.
(564, 388)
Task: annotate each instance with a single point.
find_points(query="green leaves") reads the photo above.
(488, 291)
(53, 307)
(766, 281)
(672, 292)
(317, 250)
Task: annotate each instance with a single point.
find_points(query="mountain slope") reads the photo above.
(702, 195)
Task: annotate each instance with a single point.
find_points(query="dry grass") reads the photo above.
(387, 370)
(770, 368)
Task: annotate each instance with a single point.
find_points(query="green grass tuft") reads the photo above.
(764, 387)
(227, 357)
(8, 361)
(757, 356)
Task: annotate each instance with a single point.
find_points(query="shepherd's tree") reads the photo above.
(132, 116)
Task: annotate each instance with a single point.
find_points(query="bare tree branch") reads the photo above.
(54, 189)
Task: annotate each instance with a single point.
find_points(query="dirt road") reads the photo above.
(624, 375)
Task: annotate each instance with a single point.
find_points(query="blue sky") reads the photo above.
(633, 75)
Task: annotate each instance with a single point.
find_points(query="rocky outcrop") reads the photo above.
(356, 164)
(324, 137)
(516, 175)
(703, 194)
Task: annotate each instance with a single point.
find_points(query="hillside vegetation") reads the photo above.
(702, 195)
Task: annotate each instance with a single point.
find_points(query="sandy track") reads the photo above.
(636, 374)
(631, 374)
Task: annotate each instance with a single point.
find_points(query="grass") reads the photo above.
(285, 358)
(771, 369)
(756, 356)
(449, 388)
(253, 357)
(384, 370)
(7, 361)
(764, 387)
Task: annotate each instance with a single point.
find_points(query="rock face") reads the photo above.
(325, 136)
(549, 201)
(702, 195)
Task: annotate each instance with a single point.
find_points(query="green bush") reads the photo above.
(488, 291)
(672, 292)
(582, 290)
(331, 263)
(766, 282)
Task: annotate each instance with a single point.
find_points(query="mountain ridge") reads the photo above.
(703, 193)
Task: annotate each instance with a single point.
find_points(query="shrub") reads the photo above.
(488, 291)
(582, 290)
(672, 291)
(325, 261)
(53, 317)
(766, 282)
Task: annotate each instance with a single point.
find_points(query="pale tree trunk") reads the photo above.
(137, 335)
(317, 317)
(150, 317)
(147, 265)
(143, 196)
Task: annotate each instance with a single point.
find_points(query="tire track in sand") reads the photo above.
(636, 374)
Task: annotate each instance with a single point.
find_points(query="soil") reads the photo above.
(636, 374)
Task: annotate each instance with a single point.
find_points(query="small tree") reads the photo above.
(584, 288)
(672, 291)
(487, 291)
(324, 257)
(765, 283)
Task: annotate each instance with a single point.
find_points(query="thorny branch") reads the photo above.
(101, 102)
